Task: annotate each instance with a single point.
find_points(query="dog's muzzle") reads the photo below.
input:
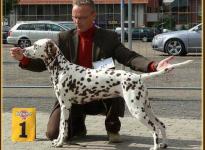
(28, 51)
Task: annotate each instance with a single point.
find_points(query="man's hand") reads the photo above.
(164, 63)
(16, 53)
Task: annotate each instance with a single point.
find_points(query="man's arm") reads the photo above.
(132, 59)
(123, 55)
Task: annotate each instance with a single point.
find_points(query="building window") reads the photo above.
(23, 13)
(39, 12)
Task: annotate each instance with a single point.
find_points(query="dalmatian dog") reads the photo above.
(75, 84)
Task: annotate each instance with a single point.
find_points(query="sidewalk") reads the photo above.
(182, 134)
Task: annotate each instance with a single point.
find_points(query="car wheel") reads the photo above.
(144, 39)
(24, 43)
(175, 47)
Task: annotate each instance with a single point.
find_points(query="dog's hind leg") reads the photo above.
(160, 125)
(153, 118)
(145, 120)
(136, 108)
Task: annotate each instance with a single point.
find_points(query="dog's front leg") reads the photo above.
(63, 128)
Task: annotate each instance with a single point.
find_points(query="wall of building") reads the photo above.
(145, 12)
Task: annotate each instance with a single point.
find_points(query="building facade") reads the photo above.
(144, 12)
(183, 12)
(60, 10)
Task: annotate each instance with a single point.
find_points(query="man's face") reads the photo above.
(83, 16)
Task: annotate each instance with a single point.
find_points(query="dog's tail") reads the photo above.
(172, 66)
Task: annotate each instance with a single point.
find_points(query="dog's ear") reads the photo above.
(52, 48)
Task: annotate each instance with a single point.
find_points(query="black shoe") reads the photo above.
(77, 134)
(80, 133)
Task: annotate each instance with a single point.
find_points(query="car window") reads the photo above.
(199, 28)
(53, 27)
(68, 25)
(26, 27)
(40, 27)
(195, 27)
(136, 30)
(148, 30)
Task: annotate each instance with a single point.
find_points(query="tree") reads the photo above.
(160, 2)
(166, 22)
(8, 5)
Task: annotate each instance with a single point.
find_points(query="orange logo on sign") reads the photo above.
(23, 114)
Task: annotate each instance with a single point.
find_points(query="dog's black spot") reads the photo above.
(118, 74)
(128, 79)
(117, 92)
(108, 82)
(128, 87)
(88, 79)
(157, 139)
(81, 71)
(151, 123)
(112, 72)
(110, 86)
(105, 72)
(117, 83)
(139, 94)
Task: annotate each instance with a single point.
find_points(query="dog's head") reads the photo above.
(43, 48)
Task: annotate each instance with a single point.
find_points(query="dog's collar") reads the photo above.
(47, 64)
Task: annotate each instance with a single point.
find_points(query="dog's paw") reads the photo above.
(154, 148)
(163, 145)
(57, 143)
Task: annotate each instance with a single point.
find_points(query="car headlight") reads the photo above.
(160, 38)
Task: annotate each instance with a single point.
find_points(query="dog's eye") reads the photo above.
(35, 46)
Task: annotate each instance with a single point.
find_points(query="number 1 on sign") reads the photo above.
(23, 124)
(23, 130)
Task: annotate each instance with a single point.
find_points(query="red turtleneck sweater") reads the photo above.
(84, 57)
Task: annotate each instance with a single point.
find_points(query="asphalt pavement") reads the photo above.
(183, 134)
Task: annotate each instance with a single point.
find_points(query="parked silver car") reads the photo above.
(68, 24)
(179, 42)
(26, 33)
